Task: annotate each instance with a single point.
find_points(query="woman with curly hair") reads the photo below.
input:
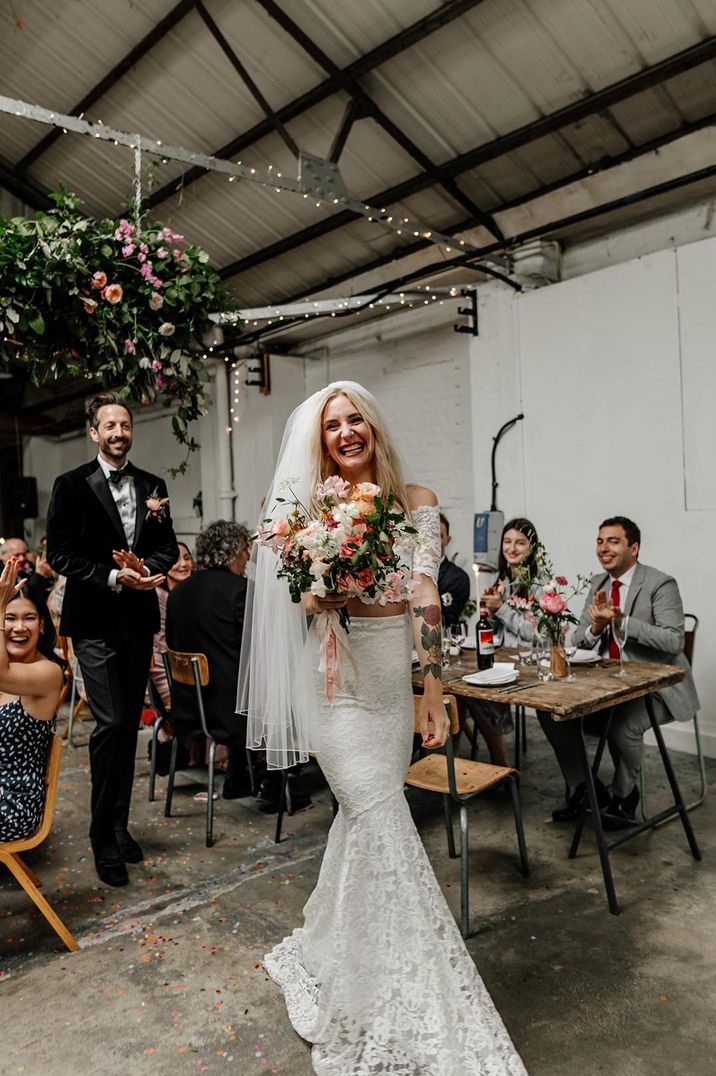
(205, 614)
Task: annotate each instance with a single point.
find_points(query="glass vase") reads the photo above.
(558, 661)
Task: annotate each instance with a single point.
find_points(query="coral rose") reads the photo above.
(113, 293)
(99, 280)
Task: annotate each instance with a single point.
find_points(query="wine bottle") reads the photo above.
(485, 640)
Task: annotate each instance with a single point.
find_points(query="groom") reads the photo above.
(110, 533)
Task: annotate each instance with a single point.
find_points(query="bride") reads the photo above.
(377, 978)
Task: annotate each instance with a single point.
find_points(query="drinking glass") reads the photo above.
(543, 657)
(569, 652)
(457, 634)
(619, 635)
(446, 642)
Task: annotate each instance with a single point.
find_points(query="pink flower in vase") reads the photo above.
(552, 603)
(561, 580)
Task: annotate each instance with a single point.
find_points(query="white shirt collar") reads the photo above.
(625, 579)
(107, 468)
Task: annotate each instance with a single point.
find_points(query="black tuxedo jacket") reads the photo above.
(456, 582)
(83, 527)
(205, 615)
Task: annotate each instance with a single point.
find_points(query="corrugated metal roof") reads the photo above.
(497, 66)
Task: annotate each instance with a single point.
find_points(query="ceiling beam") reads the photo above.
(393, 46)
(352, 86)
(24, 188)
(590, 169)
(112, 77)
(522, 136)
(470, 259)
(245, 77)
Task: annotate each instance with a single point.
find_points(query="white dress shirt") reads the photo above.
(625, 581)
(125, 497)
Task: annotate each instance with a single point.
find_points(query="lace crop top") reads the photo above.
(426, 558)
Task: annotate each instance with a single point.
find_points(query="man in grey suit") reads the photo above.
(649, 603)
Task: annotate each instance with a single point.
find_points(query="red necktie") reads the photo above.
(614, 602)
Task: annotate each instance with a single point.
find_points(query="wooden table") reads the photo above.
(596, 689)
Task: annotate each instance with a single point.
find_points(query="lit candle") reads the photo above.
(476, 570)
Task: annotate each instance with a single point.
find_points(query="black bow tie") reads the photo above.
(117, 477)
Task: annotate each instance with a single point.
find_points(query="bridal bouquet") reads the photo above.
(356, 546)
(548, 609)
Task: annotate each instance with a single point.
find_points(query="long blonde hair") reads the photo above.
(386, 463)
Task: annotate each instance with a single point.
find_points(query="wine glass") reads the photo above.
(619, 635)
(569, 652)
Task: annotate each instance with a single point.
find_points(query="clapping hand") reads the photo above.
(9, 586)
(132, 572)
(494, 596)
(601, 613)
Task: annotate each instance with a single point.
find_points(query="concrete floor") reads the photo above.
(169, 981)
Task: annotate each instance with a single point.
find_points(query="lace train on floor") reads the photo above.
(378, 978)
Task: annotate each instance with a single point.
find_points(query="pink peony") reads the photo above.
(334, 486)
(99, 280)
(552, 603)
(156, 301)
(113, 293)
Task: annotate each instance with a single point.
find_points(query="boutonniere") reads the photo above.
(156, 505)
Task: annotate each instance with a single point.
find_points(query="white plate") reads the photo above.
(585, 657)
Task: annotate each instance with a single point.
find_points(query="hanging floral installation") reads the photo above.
(124, 303)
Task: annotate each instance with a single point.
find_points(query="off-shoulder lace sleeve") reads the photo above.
(426, 558)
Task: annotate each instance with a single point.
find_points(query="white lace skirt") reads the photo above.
(378, 977)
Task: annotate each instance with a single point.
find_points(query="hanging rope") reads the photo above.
(138, 181)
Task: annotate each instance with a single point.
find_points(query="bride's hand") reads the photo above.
(314, 605)
(434, 723)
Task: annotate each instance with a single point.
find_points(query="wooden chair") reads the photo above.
(10, 850)
(689, 640)
(193, 670)
(459, 781)
(162, 718)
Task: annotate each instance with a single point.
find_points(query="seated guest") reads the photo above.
(206, 615)
(178, 572)
(650, 603)
(453, 582)
(30, 686)
(518, 549)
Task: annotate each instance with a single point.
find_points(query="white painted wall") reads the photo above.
(606, 366)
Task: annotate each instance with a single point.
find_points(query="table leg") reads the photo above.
(593, 806)
(675, 790)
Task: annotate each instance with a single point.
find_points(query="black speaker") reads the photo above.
(22, 498)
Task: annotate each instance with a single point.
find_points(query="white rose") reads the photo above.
(167, 329)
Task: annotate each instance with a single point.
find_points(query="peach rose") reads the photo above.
(99, 280)
(113, 293)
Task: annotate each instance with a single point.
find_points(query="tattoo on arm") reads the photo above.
(430, 638)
